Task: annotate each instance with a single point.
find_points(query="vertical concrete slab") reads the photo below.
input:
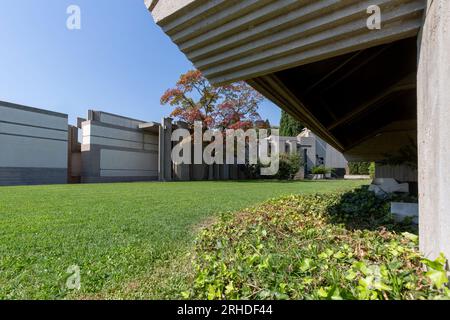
(182, 172)
(161, 152)
(167, 124)
(434, 129)
(226, 172)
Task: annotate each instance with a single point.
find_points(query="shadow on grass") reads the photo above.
(362, 209)
(258, 181)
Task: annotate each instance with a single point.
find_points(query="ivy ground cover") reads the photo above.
(326, 246)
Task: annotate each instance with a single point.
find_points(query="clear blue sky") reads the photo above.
(119, 61)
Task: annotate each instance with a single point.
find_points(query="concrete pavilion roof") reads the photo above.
(232, 40)
(353, 87)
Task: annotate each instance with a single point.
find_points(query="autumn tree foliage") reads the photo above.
(233, 106)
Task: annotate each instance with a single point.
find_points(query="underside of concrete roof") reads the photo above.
(318, 60)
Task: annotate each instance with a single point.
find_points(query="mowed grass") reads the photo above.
(130, 240)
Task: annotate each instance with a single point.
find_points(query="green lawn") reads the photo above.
(130, 240)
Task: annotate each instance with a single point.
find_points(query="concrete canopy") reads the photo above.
(318, 60)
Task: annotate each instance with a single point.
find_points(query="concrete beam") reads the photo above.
(165, 8)
(434, 130)
(167, 126)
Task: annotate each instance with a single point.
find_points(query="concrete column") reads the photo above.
(168, 149)
(161, 151)
(165, 150)
(434, 130)
(210, 169)
(226, 172)
(182, 172)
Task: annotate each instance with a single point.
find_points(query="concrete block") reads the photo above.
(356, 177)
(402, 210)
(389, 185)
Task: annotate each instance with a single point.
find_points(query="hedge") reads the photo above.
(360, 168)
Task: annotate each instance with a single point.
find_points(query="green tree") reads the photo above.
(289, 126)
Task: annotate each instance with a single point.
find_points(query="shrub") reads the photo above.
(362, 168)
(320, 170)
(311, 247)
(289, 165)
(353, 167)
(372, 170)
(252, 171)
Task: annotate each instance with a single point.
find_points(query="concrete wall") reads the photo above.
(401, 173)
(33, 145)
(76, 165)
(74, 155)
(317, 150)
(334, 158)
(309, 143)
(115, 149)
(434, 130)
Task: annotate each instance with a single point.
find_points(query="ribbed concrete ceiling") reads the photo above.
(354, 87)
(353, 97)
(232, 40)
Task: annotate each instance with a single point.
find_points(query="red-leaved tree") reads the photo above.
(233, 106)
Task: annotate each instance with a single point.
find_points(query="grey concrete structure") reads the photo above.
(39, 147)
(367, 92)
(322, 153)
(434, 129)
(33, 144)
(315, 152)
(74, 156)
(115, 149)
(403, 210)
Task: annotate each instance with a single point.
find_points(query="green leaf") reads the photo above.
(336, 294)
(414, 238)
(350, 275)
(322, 292)
(264, 294)
(229, 288)
(441, 259)
(213, 293)
(382, 286)
(339, 255)
(437, 277)
(305, 265)
(438, 264)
